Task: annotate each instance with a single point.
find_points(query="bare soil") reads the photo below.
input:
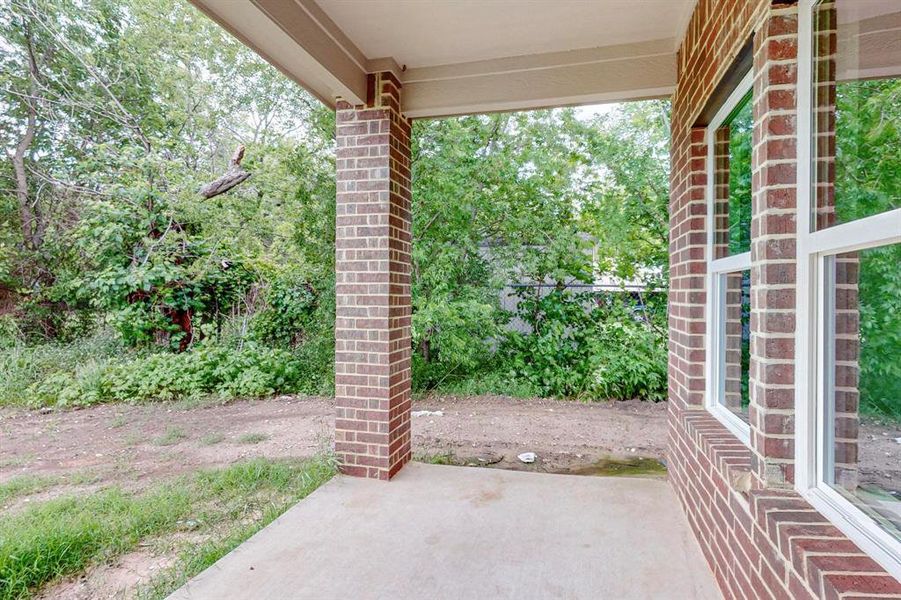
(132, 446)
(135, 446)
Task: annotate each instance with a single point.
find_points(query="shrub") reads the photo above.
(22, 367)
(290, 304)
(589, 346)
(207, 370)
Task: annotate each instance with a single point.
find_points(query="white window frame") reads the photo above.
(716, 268)
(812, 423)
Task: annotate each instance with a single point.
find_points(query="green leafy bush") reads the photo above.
(290, 305)
(628, 361)
(589, 346)
(208, 370)
(22, 367)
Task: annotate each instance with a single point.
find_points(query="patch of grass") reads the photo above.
(118, 421)
(16, 461)
(172, 436)
(23, 485)
(133, 439)
(83, 478)
(491, 382)
(66, 535)
(211, 439)
(437, 459)
(199, 401)
(289, 482)
(253, 438)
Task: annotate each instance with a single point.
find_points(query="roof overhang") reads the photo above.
(464, 56)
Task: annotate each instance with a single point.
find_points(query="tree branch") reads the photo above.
(232, 177)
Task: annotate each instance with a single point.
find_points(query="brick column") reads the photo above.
(773, 229)
(372, 325)
(688, 268)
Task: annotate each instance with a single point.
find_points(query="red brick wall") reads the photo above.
(372, 325)
(761, 539)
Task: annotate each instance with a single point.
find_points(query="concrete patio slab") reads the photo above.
(441, 532)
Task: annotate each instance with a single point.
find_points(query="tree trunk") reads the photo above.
(28, 212)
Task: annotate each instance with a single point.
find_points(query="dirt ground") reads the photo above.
(134, 446)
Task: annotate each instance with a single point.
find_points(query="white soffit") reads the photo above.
(463, 56)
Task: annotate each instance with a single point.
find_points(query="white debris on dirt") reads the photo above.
(427, 413)
(527, 457)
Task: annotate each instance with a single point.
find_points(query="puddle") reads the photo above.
(608, 466)
(621, 467)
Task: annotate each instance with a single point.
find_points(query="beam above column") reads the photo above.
(299, 40)
(587, 76)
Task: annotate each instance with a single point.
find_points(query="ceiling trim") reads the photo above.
(297, 38)
(592, 75)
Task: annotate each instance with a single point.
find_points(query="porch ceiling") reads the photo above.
(464, 56)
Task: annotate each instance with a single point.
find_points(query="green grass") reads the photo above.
(437, 459)
(211, 439)
(118, 421)
(172, 436)
(253, 438)
(23, 485)
(21, 365)
(66, 535)
(26, 485)
(290, 483)
(490, 382)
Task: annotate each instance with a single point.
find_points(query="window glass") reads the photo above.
(732, 182)
(857, 110)
(735, 342)
(863, 390)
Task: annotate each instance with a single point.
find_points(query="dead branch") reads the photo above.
(232, 177)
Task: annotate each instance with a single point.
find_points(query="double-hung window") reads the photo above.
(729, 144)
(848, 425)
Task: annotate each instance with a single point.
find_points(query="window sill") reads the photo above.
(729, 455)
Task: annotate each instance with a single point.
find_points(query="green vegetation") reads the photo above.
(253, 438)
(119, 282)
(211, 439)
(65, 535)
(437, 459)
(867, 182)
(172, 436)
(23, 485)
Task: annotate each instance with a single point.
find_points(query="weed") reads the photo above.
(172, 436)
(24, 485)
(447, 458)
(253, 438)
(211, 439)
(65, 535)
